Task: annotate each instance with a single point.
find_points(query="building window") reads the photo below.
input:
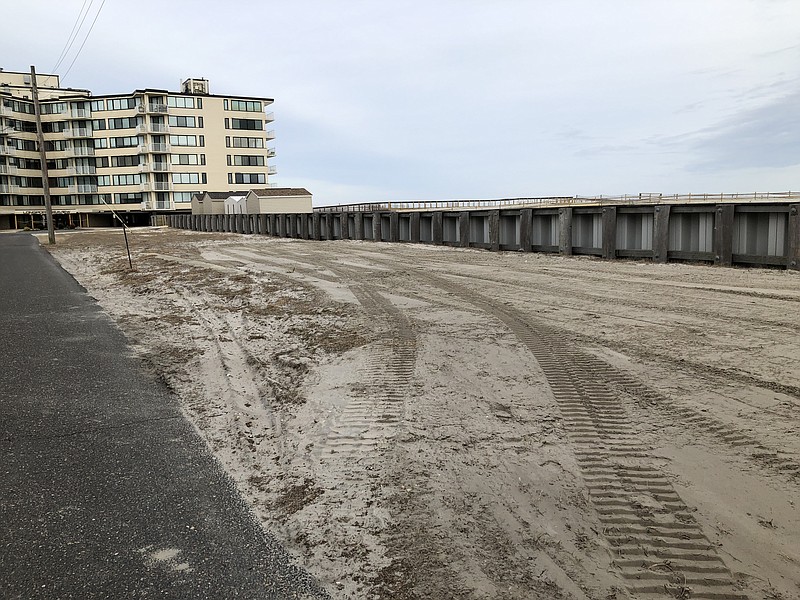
(128, 198)
(183, 140)
(121, 103)
(103, 180)
(100, 143)
(248, 160)
(180, 102)
(98, 124)
(98, 105)
(243, 178)
(124, 142)
(128, 160)
(184, 159)
(101, 162)
(245, 105)
(123, 123)
(186, 178)
(175, 121)
(248, 142)
(252, 124)
(134, 179)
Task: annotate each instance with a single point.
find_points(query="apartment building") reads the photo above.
(141, 153)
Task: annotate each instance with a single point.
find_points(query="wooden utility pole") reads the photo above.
(51, 230)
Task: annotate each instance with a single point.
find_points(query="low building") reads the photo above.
(235, 205)
(211, 203)
(278, 200)
(139, 153)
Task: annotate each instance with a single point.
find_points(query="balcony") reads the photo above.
(270, 152)
(6, 111)
(147, 204)
(142, 149)
(144, 187)
(270, 135)
(159, 109)
(82, 170)
(272, 170)
(159, 147)
(88, 188)
(163, 205)
(162, 186)
(81, 113)
(7, 150)
(82, 151)
(9, 189)
(8, 170)
(154, 167)
(152, 128)
(270, 116)
(77, 132)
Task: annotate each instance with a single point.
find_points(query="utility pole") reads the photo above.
(51, 231)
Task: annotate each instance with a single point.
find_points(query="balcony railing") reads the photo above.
(152, 128)
(142, 149)
(270, 134)
(8, 170)
(270, 116)
(88, 188)
(9, 189)
(160, 167)
(272, 170)
(157, 108)
(162, 186)
(82, 151)
(81, 113)
(7, 150)
(159, 147)
(270, 152)
(144, 187)
(78, 132)
(147, 205)
(162, 205)
(82, 170)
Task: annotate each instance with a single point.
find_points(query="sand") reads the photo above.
(427, 422)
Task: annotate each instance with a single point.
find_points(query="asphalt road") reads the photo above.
(106, 491)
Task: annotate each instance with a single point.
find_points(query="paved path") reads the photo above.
(106, 491)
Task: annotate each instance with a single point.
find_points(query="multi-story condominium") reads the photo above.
(142, 153)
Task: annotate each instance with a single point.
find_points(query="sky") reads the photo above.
(388, 100)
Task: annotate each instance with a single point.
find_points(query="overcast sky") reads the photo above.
(437, 99)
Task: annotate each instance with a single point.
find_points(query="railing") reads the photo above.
(272, 170)
(162, 205)
(7, 150)
(82, 170)
(159, 128)
(8, 170)
(142, 149)
(77, 132)
(160, 167)
(144, 187)
(270, 152)
(270, 116)
(157, 108)
(82, 151)
(642, 199)
(83, 189)
(81, 113)
(162, 186)
(159, 147)
(9, 189)
(270, 135)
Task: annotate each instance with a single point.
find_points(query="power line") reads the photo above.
(73, 34)
(84, 41)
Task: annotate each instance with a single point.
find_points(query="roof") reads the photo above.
(264, 192)
(223, 195)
